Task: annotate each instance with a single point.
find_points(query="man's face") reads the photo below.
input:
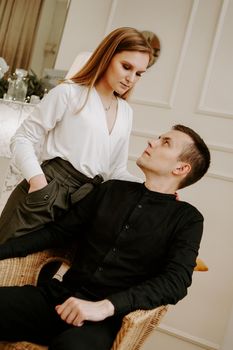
(162, 155)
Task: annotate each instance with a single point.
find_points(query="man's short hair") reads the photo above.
(196, 154)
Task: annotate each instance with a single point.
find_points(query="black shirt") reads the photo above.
(136, 247)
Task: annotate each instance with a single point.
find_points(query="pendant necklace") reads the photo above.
(107, 108)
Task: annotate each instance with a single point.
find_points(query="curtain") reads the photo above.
(18, 24)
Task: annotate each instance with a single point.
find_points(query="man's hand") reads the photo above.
(37, 182)
(75, 311)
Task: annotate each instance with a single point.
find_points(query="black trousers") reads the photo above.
(28, 314)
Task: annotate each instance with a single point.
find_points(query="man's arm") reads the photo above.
(175, 276)
(168, 287)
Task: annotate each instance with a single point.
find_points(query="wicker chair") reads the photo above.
(136, 326)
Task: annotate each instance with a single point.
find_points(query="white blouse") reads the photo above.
(81, 138)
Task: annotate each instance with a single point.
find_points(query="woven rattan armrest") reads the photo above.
(136, 326)
(25, 270)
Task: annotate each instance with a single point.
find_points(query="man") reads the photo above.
(137, 247)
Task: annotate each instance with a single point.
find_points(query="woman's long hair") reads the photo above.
(121, 39)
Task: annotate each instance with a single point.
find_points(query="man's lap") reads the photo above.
(28, 313)
(92, 335)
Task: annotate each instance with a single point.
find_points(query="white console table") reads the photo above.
(11, 116)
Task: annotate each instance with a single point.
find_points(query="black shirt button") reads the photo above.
(139, 206)
(46, 196)
(100, 268)
(114, 249)
(126, 226)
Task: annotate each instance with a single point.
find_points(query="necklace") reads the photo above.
(108, 108)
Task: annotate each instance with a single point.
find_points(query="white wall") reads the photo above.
(228, 339)
(191, 83)
(84, 29)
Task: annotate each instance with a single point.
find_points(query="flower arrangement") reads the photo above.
(36, 86)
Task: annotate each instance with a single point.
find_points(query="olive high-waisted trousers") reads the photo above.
(25, 211)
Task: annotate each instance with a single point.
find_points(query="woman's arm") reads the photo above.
(34, 129)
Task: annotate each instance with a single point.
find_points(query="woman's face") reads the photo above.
(124, 70)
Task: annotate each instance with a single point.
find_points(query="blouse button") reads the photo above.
(46, 196)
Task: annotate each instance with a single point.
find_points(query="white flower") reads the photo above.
(3, 67)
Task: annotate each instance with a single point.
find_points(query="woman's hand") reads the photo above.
(75, 311)
(37, 182)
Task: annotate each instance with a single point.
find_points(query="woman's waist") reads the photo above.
(65, 169)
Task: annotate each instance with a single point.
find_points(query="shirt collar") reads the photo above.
(158, 195)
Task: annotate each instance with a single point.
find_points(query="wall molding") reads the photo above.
(111, 15)
(183, 52)
(202, 107)
(213, 147)
(171, 96)
(202, 343)
(218, 176)
(160, 104)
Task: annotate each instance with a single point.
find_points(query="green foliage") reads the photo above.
(35, 85)
(3, 86)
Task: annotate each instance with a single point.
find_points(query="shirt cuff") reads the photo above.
(32, 169)
(121, 303)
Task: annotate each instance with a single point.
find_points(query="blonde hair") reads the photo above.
(121, 39)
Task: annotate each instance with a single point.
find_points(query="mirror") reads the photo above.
(48, 36)
(30, 33)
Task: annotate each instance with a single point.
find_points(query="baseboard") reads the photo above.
(202, 343)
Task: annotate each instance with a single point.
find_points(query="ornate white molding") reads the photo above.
(202, 343)
(184, 48)
(155, 103)
(170, 103)
(213, 147)
(111, 15)
(202, 108)
(222, 177)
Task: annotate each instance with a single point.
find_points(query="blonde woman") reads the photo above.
(85, 123)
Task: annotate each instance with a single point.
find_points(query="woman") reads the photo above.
(85, 125)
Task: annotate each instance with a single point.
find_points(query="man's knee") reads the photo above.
(91, 336)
